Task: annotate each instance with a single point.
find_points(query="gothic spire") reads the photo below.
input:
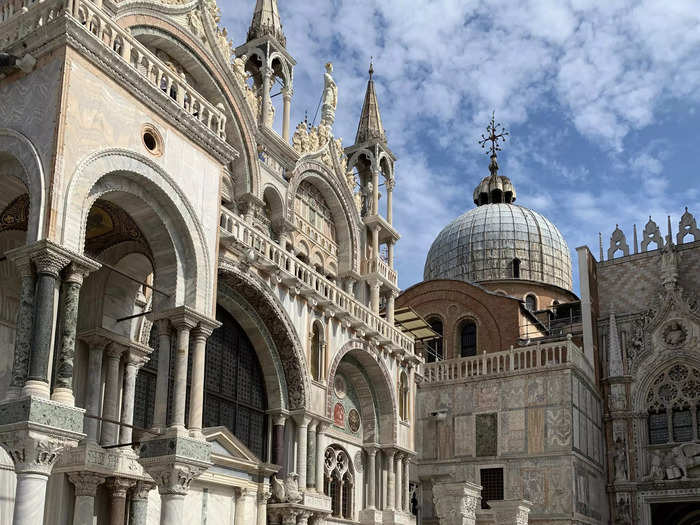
(370, 126)
(266, 21)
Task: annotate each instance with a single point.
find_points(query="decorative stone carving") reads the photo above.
(456, 502)
(687, 226)
(85, 482)
(286, 491)
(656, 471)
(620, 460)
(623, 510)
(614, 353)
(618, 242)
(651, 234)
(669, 266)
(674, 333)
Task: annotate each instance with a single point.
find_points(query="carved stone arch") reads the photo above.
(649, 371)
(382, 384)
(21, 148)
(352, 161)
(263, 343)
(286, 73)
(384, 159)
(181, 254)
(277, 208)
(338, 197)
(243, 124)
(282, 332)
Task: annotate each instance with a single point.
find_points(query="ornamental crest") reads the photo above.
(674, 333)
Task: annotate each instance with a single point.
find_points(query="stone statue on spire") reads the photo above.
(329, 100)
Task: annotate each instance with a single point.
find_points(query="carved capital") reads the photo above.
(76, 272)
(115, 351)
(49, 262)
(33, 454)
(118, 487)
(264, 497)
(141, 489)
(85, 482)
(174, 478)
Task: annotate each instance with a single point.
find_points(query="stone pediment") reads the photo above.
(229, 452)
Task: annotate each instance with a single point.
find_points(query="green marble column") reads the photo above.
(63, 387)
(48, 265)
(23, 330)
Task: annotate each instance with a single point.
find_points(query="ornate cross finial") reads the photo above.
(371, 67)
(495, 132)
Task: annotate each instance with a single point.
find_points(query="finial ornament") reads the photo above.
(496, 132)
(371, 67)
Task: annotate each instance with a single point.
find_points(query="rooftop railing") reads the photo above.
(19, 18)
(537, 356)
(270, 257)
(378, 265)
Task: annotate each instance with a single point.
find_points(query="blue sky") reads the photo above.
(601, 102)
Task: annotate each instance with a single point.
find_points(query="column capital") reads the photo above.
(390, 184)
(185, 317)
(371, 450)
(49, 262)
(174, 478)
(302, 420)
(119, 486)
(264, 496)
(75, 272)
(205, 328)
(279, 419)
(115, 350)
(141, 489)
(313, 424)
(135, 359)
(287, 92)
(85, 482)
(21, 258)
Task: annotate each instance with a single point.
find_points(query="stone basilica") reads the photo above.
(200, 319)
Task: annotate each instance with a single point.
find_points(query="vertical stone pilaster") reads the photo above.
(70, 296)
(406, 483)
(399, 480)
(390, 480)
(287, 99)
(200, 336)
(278, 422)
(302, 434)
(320, 446)
(371, 475)
(85, 488)
(183, 324)
(263, 498)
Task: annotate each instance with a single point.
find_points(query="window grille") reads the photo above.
(492, 485)
(468, 339)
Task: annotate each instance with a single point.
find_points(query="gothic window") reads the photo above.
(531, 302)
(403, 396)
(672, 402)
(316, 351)
(434, 348)
(467, 339)
(338, 482)
(312, 207)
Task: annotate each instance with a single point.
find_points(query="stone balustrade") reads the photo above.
(19, 18)
(271, 258)
(379, 266)
(532, 357)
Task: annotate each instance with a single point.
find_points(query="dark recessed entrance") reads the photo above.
(678, 513)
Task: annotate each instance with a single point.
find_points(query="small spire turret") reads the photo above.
(266, 21)
(370, 127)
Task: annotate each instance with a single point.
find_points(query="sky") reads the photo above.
(601, 101)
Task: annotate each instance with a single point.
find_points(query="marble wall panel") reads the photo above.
(559, 490)
(513, 393)
(535, 430)
(486, 434)
(558, 428)
(464, 398)
(464, 435)
(535, 391)
(534, 487)
(487, 395)
(513, 431)
(558, 389)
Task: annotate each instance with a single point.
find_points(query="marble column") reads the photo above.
(200, 336)
(263, 497)
(110, 404)
(311, 455)
(160, 410)
(375, 241)
(390, 480)
(242, 507)
(390, 307)
(390, 253)
(117, 495)
(375, 192)
(23, 329)
(320, 455)
(63, 385)
(374, 295)
(138, 511)
(384, 473)
(406, 483)
(265, 110)
(48, 266)
(302, 430)
(97, 346)
(30, 498)
(132, 364)
(287, 98)
(371, 477)
(85, 488)
(172, 509)
(183, 327)
(278, 421)
(389, 193)
(398, 465)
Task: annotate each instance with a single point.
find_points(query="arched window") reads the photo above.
(338, 482)
(467, 339)
(403, 395)
(531, 302)
(672, 398)
(316, 357)
(434, 348)
(516, 268)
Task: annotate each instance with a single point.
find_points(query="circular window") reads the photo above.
(152, 140)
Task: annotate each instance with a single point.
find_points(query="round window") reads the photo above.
(152, 140)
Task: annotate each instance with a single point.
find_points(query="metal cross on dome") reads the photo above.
(495, 132)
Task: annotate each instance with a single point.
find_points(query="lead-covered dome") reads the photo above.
(499, 240)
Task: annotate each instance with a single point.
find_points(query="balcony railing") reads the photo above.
(533, 357)
(377, 265)
(18, 18)
(270, 257)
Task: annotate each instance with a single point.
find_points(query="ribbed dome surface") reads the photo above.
(482, 244)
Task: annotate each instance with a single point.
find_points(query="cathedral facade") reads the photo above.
(197, 300)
